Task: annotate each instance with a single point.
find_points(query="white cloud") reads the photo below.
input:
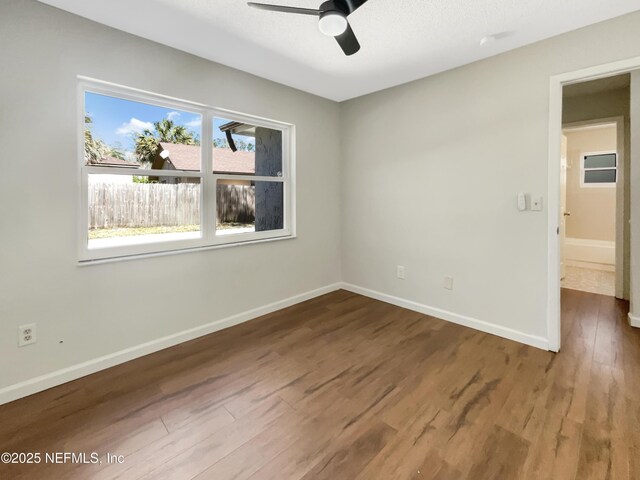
(173, 115)
(195, 123)
(134, 126)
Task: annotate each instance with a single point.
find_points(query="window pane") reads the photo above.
(246, 206)
(236, 205)
(269, 206)
(600, 176)
(245, 149)
(133, 210)
(600, 161)
(123, 133)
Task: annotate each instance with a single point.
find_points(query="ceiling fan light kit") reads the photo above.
(332, 24)
(332, 19)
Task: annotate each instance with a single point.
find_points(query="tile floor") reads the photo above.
(589, 280)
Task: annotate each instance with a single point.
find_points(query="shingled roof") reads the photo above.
(187, 158)
(115, 162)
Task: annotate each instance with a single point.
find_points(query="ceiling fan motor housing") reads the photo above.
(332, 6)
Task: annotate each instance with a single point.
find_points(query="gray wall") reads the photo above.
(423, 175)
(431, 171)
(97, 310)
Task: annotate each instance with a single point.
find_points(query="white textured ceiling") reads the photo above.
(402, 40)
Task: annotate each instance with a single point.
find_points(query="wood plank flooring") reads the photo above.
(345, 387)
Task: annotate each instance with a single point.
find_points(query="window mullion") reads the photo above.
(287, 173)
(139, 172)
(208, 182)
(249, 178)
(84, 211)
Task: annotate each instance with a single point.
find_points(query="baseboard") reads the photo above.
(470, 322)
(634, 321)
(601, 252)
(590, 265)
(49, 380)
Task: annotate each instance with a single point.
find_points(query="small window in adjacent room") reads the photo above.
(163, 175)
(599, 169)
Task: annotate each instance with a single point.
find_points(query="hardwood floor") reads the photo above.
(345, 387)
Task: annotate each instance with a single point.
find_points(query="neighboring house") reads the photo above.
(173, 156)
(115, 162)
(111, 178)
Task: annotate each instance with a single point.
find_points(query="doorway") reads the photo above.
(586, 108)
(589, 237)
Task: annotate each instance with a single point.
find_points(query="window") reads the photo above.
(160, 175)
(599, 169)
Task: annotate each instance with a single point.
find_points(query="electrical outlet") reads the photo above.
(400, 272)
(26, 334)
(448, 283)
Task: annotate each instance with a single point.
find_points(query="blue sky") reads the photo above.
(116, 121)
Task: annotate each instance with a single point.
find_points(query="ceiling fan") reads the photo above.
(333, 19)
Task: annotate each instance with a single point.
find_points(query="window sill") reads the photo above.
(178, 251)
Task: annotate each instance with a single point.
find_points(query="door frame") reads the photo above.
(556, 83)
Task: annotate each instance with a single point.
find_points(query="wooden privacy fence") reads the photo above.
(236, 203)
(154, 204)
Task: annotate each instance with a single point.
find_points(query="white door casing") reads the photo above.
(563, 204)
(556, 82)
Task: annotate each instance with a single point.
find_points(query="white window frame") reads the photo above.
(583, 157)
(208, 180)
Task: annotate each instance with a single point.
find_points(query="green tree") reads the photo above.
(115, 151)
(146, 146)
(137, 179)
(220, 143)
(165, 130)
(241, 145)
(94, 148)
(170, 132)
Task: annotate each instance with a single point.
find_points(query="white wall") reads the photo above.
(593, 210)
(635, 197)
(431, 174)
(101, 309)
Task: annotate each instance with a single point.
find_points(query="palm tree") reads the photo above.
(146, 146)
(164, 131)
(172, 133)
(114, 152)
(94, 148)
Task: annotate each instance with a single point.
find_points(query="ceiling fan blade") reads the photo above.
(284, 8)
(348, 41)
(349, 6)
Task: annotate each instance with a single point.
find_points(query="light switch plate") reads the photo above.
(522, 201)
(536, 203)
